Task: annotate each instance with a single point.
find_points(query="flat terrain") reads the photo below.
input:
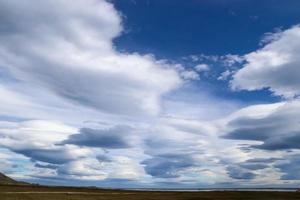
(11, 192)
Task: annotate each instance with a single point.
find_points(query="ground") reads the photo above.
(30, 192)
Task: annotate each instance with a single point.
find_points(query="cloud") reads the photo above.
(262, 160)
(230, 60)
(68, 51)
(224, 75)
(275, 66)
(239, 173)
(171, 151)
(61, 69)
(202, 68)
(278, 130)
(168, 165)
(113, 138)
(253, 166)
(270, 130)
(85, 169)
(189, 75)
(290, 168)
(54, 156)
(103, 158)
(40, 141)
(48, 166)
(39, 134)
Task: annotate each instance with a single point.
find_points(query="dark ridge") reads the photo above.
(5, 180)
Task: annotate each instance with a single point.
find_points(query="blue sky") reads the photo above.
(172, 29)
(175, 29)
(150, 93)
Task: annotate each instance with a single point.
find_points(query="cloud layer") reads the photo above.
(75, 110)
(68, 50)
(275, 66)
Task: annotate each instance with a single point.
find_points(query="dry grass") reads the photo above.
(69, 193)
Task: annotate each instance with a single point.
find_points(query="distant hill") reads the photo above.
(5, 180)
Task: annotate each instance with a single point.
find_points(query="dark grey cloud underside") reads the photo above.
(277, 131)
(114, 138)
(168, 165)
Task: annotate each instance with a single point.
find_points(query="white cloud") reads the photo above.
(275, 66)
(68, 50)
(224, 75)
(61, 69)
(263, 131)
(189, 75)
(202, 68)
(38, 133)
(229, 60)
(87, 168)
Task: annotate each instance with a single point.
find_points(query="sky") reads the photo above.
(150, 93)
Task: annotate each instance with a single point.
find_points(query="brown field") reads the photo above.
(10, 192)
